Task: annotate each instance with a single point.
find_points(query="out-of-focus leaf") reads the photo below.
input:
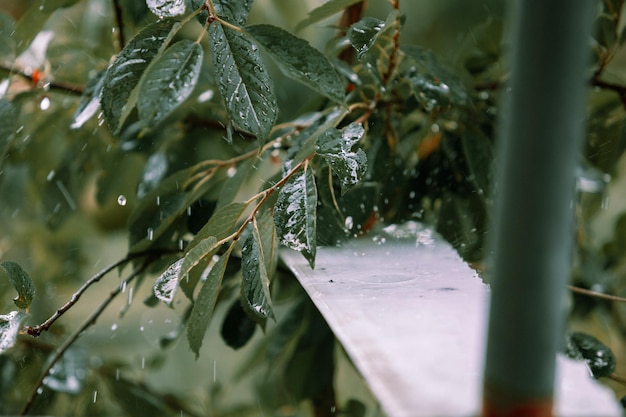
(153, 173)
(8, 122)
(90, 101)
(167, 8)
(243, 81)
(237, 328)
(296, 212)
(233, 11)
(169, 81)
(265, 233)
(221, 224)
(32, 22)
(297, 59)
(166, 285)
(256, 283)
(7, 43)
(234, 182)
(364, 33)
(22, 283)
(9, 328)
(479, 156)
(124, 74)
(599, 358)
(327, 9)
(204, 305)
(336, 147)
(68, 374)
(433, 84)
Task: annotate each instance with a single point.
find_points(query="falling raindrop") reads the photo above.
(44, 104)
(50, 175)
(95, 396)
(231, 172)
(114, 326)
(121, 200)
(150, 233)
(349, 223)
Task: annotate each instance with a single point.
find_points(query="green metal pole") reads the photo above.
(539, 138)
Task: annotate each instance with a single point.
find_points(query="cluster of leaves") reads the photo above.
(181, 132)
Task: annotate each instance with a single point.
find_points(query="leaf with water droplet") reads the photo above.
(204, 304)
(166, 8)
(296, 213)
(243, 81)
(255, 286)
(336, 148)
(166, 285)
(9, 329)
(8, 122)
(124, 74)
(364, 33)
(169, 81)
(233, 11)
(327, 9)
(297, 59)
(89, 101)
(599, 357)
(22, 283)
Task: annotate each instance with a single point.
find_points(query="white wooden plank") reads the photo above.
(412, 316)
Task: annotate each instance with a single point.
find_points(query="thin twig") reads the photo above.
(63, 86)
(596, 294)
(74, 336)
(119, 22)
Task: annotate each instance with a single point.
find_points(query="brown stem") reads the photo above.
(119, 22)
(596, 294)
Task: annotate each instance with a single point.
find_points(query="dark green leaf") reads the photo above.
(297, 59)
(256, 283)
(479, 155)
(167, 8)
(33, 21)
(599, 357)
(124, 74)
(336, 147)
(7, 42)
(8, 122)
(22, 283)
(265, 233)
(204, 305)
(233, 11)
(233, 183)
(243, 81)
(325, 10)
(89, 101)
(166, 285)
(237, 328)
(169, 81)
(9, 329)
(364, 33)
(199, 256)
(295, 214)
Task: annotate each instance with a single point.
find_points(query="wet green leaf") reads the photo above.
(265, 233)
(89, 101)
(204, 305)
(479, 155)
(167, 8)
(256, 283)
(9, 329)
(243, 81)
(221, 223)
(8, 122)
(327, 9)
(124, 74)
(7, 42)
(597, 355)
(336, 147)
(199, 256)
(166, 285)
(364, 33)
(169, 81)
(233, 11)
(295, 214)
(297, 59)
(22, 283)
(237, 328)
(233, 183)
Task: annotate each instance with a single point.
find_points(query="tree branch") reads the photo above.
(62, 86)
(119, 22)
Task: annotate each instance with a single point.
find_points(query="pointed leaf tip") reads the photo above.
(166, 285)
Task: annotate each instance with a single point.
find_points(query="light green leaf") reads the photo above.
(124, 74)
(167, 8)
(297, 59)
(166, 285)
(325, 10)
(204, 305)
(243, 81)
(9, 329)
(200, 255)
(256, 284)
(233, 11)
(296, 212)
(169, 81)
(336, 148)
(22, 283)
